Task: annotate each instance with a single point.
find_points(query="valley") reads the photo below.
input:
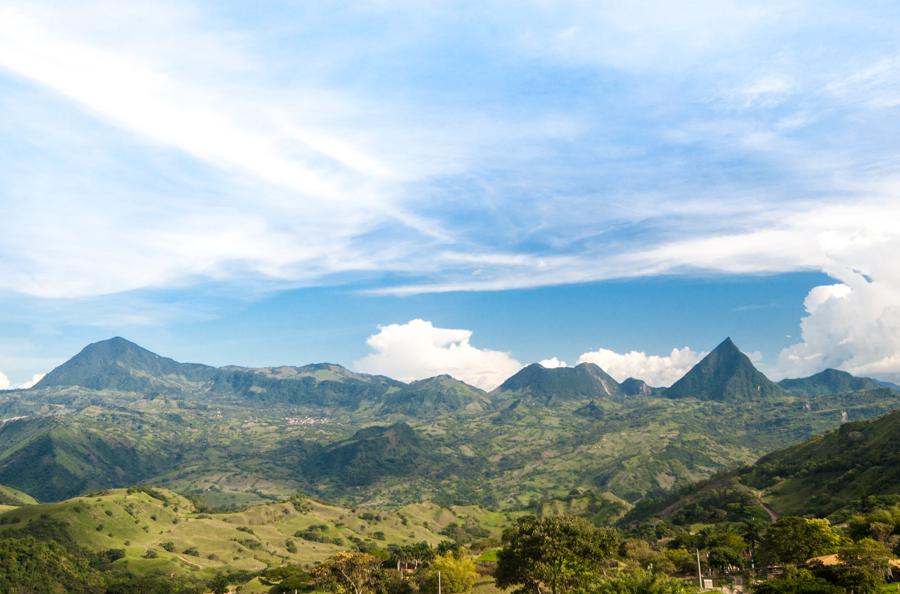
(146, 467)
(117, 415)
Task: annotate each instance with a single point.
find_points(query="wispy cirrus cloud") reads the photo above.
(445, 148)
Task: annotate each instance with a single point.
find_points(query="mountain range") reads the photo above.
(725, 374)
(117, 414)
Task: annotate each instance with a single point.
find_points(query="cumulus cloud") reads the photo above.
(553, 363)
(417, 350)
(854, 326)
(6, 384)
(656, 370)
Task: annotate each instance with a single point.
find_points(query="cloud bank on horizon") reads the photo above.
(178, 144)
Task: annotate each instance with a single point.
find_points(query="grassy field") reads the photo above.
(161, 531)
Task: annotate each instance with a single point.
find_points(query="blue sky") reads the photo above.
(585, 181)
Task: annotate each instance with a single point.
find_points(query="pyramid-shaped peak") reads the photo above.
(725, 373)
(727, 346)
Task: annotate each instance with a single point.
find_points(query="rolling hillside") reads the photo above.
(819, 476)
(14, 497)
(829, 381)
(824, 473)
(163, 532)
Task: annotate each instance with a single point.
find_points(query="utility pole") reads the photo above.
(699, 573)
(439, 582)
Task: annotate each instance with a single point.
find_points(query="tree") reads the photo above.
(286, 578)
(557, 553)
(792, 540)
(642, 582)
(414, 553)
(218, 584)
(849, 579)
(867, 553)
(457, 571)
(796, 581)
(356, 573)
(725, 548)
(645, 556)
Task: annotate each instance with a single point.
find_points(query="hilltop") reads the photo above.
(829, 381)
(549, 386)
(14, 497)
(436, 395)
(118, 364)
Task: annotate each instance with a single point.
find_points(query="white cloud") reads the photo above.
(160, 147)
(656, 370)
(553, 363)
(854, 326)
(6, 384)
(417, 350)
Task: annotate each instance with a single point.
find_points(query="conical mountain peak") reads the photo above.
(119, 364)
(725, 373)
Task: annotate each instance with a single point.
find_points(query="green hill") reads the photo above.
(550, 386)
(637, 387)
(436, 395)
(53, 459)
(15, 497)
(725, 374)
(160, 531)
(829, 381)
(376, 452)
(591, 410)
(117, 364)
(816, 477)
(820, 475)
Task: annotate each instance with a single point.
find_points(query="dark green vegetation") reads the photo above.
(830, 381)
(430, 460)
(559, 553)
(435, 396)
(550, 386)
(14, 497)
(154, 540)
(830, 475)
(571, 439)
(726, 374)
